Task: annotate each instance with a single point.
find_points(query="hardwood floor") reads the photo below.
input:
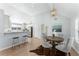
(24, 49)
(73, 52)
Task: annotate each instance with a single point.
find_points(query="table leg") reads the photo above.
(53, 44)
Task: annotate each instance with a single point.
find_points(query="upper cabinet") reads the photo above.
(4, 22)
(16, 27)
(1, 21)
(7, 23)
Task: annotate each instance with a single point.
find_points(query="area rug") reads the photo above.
(48, 52)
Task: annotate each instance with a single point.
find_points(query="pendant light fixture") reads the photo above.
(54, 11)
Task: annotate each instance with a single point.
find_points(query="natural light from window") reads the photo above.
(77, 29)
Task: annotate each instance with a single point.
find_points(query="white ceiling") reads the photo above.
(31, 9)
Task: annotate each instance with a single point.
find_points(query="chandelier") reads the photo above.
(54, 11)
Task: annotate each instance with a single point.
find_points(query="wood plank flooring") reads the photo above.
(73, 52)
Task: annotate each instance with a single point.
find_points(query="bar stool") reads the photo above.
(15, 41)
(24, 40)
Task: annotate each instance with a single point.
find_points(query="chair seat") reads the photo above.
(46, 45)
(62, 47)
(25, 36)
(15, 37)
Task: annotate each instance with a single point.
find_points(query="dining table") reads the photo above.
(54, 41)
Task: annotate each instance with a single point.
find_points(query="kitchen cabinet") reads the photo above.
(4, 22)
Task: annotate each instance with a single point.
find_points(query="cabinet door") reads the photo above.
(6, 22)
(1, 21)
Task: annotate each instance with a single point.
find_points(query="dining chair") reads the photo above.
(66, 46)
(45, 43)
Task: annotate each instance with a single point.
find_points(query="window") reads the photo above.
(77, 29)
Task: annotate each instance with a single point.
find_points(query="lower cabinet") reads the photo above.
(6, 41)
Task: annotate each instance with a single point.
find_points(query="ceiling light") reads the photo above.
(54, 11)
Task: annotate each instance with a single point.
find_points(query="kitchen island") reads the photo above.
(7, 39)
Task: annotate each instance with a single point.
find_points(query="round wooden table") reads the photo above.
(54, 41)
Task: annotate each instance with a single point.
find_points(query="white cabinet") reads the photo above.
(4, 22)
(16, 27)
(1, 21)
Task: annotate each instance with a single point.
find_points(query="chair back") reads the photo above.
(69, 44)
(66, 46)
(45, 43)
(44, 36)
